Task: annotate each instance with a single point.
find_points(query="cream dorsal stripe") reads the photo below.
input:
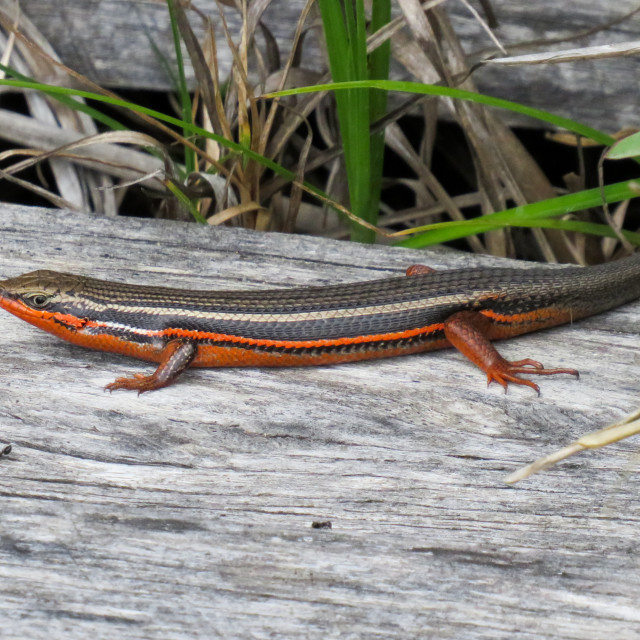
(284, 316)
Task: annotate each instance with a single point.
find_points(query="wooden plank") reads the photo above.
(116, 43)
(188, 512)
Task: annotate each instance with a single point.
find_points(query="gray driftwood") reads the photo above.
(116, 43)
(188, 512)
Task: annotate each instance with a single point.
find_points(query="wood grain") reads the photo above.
(116, 43)
(187, 513)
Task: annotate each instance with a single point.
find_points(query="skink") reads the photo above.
(420, 311)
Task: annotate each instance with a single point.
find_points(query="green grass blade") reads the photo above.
(578, 226)
(530, 215)
(185, 201)
(68, 101)
(459, 94)
(536, 214)
(183, 89)
(191, 129)
(628, 147)
(379, 62)
(345, 34)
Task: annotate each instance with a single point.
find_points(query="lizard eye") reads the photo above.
(36, 300)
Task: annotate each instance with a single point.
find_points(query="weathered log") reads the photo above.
(189, 512)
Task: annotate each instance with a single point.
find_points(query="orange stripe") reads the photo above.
(300, 344)
(176, 332)
(508, 325)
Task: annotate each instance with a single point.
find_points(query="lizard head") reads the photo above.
(39, 296)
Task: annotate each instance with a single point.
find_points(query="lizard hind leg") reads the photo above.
(466, 331)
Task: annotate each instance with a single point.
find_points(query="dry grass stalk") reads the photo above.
(242, 191)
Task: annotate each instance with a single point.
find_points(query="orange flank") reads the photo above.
(211, 355)
(254, 352)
